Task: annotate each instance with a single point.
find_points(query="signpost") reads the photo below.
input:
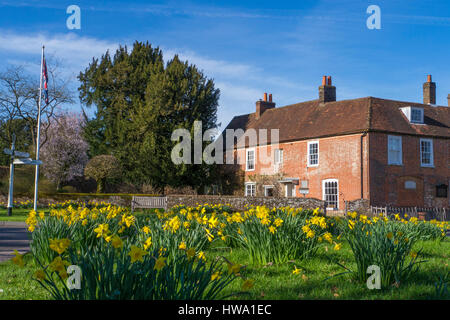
(25, 160)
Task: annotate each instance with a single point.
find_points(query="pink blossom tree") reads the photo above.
(64, 155)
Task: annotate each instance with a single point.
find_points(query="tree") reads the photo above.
(101, 168)
(21, 129)
(65, 153)
(19, 99)
(140, 102)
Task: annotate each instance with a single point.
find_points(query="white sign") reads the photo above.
(303, 191)
(27, 161)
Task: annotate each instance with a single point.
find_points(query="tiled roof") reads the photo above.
(312, 119)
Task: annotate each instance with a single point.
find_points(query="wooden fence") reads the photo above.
(441, 214)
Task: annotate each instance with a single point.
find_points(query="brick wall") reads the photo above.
(339, 158)
(387, 182)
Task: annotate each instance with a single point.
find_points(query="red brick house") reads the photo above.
(389, 152)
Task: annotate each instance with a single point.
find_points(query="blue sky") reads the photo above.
(250, 47)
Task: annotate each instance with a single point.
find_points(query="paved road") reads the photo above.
(13, 236)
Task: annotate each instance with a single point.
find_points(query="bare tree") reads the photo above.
(19, 99)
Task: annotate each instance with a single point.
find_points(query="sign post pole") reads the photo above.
(11, 178)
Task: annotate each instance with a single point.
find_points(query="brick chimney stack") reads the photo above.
(327, 92)
(429, 91)
(263, 105)
(448, 100)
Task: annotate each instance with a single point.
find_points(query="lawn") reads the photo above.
(22, 214)
(277, 281)
(17, 214)
(318, 276)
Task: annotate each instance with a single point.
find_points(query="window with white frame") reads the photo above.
(426, 153)
(413, 114)
(395, 150)
(268, 191)
(278, 157)
(331, 192)
(250, 159)
(416, 115)
(250, 189)
(313, 153)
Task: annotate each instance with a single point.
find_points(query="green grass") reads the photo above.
(277, 281)
(18, 284)
(17, 215)
(22, 214)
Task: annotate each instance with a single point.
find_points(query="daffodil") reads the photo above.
(215, 276)
(182, 246)
(137, 254)
(160, 263)
(18, 259)
(148, 243)
(247, 285)
(59, 245)
(201, 255)
(101, 230)
(190, 252)
(234, 268)
(117, 242)
(40, 275)
(296, 271)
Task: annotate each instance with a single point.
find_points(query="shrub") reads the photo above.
(121, 260)
(110, 273)
(279, 235)
(383, 243)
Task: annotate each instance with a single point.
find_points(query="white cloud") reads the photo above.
(74, 50)
(217, 68)
(240, 84)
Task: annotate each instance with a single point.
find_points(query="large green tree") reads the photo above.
(139, 102)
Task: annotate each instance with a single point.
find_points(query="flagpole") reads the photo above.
(36, 178)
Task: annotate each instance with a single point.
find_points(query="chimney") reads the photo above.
(448, 100)
(327, 92)
(263, 105)
(429, 91)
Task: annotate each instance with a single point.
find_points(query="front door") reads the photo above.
(289, 190)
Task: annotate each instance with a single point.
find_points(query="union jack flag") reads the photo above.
(45, 79)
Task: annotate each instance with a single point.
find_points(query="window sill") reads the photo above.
(426, 166)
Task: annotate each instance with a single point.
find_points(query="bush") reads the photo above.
(120, 259)
(281, 234)
(384, 243)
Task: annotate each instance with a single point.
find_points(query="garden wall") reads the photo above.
(362, 206)
(240, 202)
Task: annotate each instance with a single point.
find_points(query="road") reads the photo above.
(13, 236)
